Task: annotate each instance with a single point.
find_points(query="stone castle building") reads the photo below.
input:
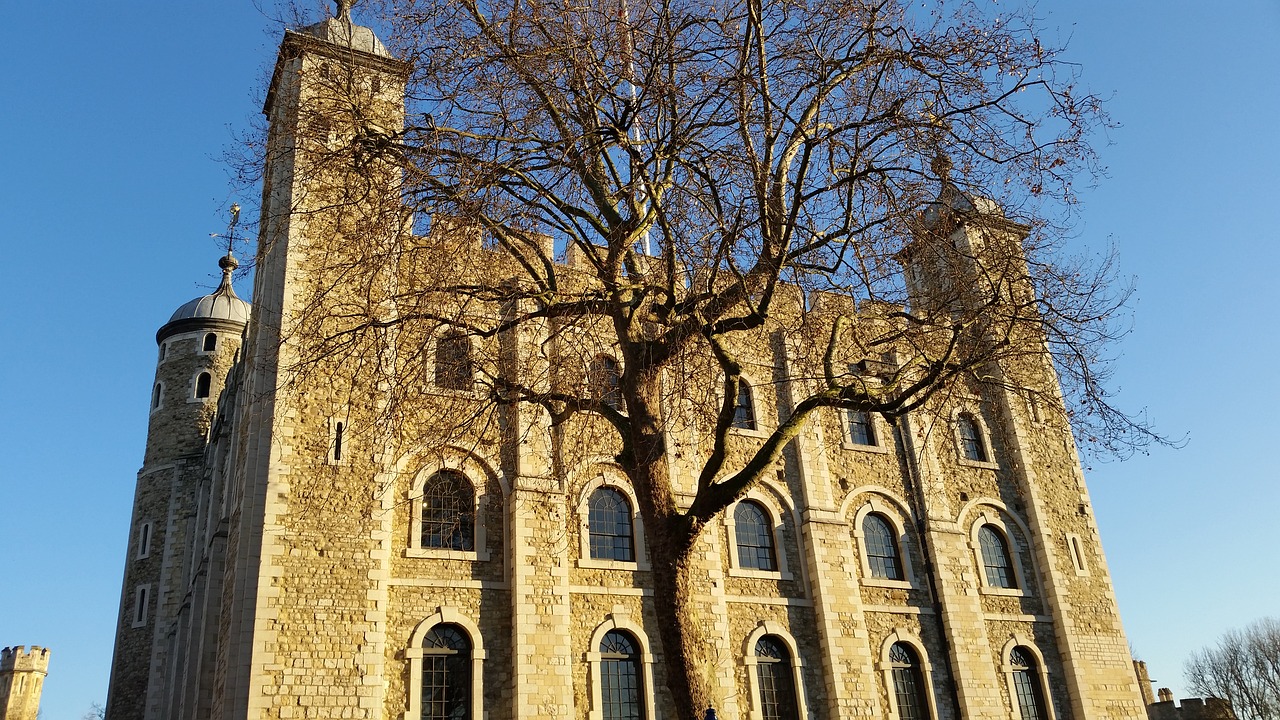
(287, 561)
(22, 674)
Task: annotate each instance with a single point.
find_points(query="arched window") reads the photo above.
(609, 524)
(908, 683)
(604, 381)
(210, 342)
(1026, 684)
(861, 431)
(996, 560)
(157, 394)
(621, 687)
(202, 384)
(448, 512)
(454, 368)
(446, 674)
(754, 531)
(883, 556)
(744, 407)
(971, 438)
(777, 681)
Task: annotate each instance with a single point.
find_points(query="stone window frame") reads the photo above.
(413, 652)
(1006, 669)
(145, 534)
(776, 511)
(619, 620)
(157, 397)
(641, 553)
(338, 447)
(163, 353)
(141, 605)
(470, 470)
(984, 437)
(192, 396)
(203, 339)
(885, 666)
(1075, 551)
(776, 629)
(430, 358)
(878, 429)
(892, 511)
(762, 429)
(995, 515)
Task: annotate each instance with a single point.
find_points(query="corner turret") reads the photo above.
(22, 674)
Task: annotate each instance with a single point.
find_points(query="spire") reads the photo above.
(344, 11)
(228, 263)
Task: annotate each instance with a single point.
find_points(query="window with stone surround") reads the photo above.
(609, 526)
(744, 407)
(157, 397)
(861, 429)
(904, 668)
(144, 540)
(997, 561)
(753, 530)
(621, 685)
(454, 366)
(141, 599)
(203, 382)
(775, 680)
(210, 343)
(448, 512)
(1026, 679)
(884, 558)
(446, 668)
(603, 381)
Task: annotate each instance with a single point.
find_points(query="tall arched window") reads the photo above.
(157, 395)
(744, 407)
(996, 560)
(971, 438)
(448, 512)
(754, 531)
(908, 683)
(621, 687)
(203, 381)
(446, 674)
(210, 342)
(604, 379)
(883, 556)
(1028, 694)
(861, 431)
(609, 524)
(777, 681)
(454, 368)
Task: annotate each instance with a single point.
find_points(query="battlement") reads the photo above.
(1190, 709)
(20, 659)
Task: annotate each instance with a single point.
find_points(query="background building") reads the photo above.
(22, 674)
(287, 560)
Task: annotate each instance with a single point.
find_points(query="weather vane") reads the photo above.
(230, 235)
(344, 9)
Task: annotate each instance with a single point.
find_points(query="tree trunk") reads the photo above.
(688, 664)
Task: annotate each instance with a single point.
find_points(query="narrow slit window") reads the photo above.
(338, 429)
(164, 347)
(141, 597)
(157, 394)
(202, 385)
(744, 408)
(144, 540)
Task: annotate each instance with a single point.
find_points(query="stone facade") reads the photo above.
(22, 674)
(286, 576)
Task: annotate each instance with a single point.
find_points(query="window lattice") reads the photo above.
(448, 512)
(777, 684)
(454, 367)
(908, 683)
(620, 682)
(861, 431)
(995, 558)
(609, 524)
(744, 409)
(754, 532)
(1026, 685)
(446, 674)
(971, 439)
(881, 547)
(604, 381)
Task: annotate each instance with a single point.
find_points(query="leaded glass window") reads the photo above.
(609, 524)
(996, 560)
(620, 680)
(777, 682)
(454, 368)
(754, 532)
(604, 381)
(446, 674)
(882, 548)
(908, 683)
(861, 431)
(971, 439)
(448, 512)
(744, 409)
(1026, 685)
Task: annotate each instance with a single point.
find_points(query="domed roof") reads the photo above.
(221, 304)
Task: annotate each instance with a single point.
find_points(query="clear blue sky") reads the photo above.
(112, 120)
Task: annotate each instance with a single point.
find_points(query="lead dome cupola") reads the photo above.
(220, 309)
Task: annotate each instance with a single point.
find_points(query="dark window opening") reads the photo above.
(996, 559)
(883, 556)
(621, 685)
(337, 441)
(609, 525)
(210, 342)
(754, 531)
(446, 674)
(156, 394)
(202, 385)
(777, 682)
(971, 439)
(454, 367)
(604, 379)
(861, 431)
(744, 410)
(448, 512)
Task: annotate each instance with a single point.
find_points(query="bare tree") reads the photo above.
(1243, 667)
(670, 186)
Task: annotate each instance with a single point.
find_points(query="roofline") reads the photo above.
(175, 327)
